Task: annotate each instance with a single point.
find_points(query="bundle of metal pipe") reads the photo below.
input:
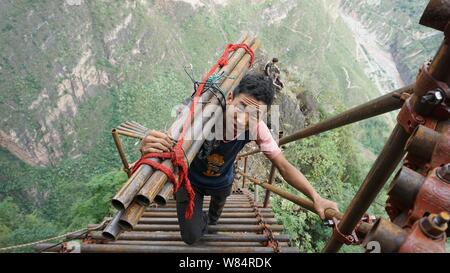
(148, 192)
(145, 184)
(127, 193)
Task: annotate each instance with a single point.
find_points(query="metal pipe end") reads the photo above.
(444, 173)
(160, 200)
(109, 235)
(117, 204)
(142, 200)
(125, 225)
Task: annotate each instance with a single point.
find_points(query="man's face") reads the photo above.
(243, 112)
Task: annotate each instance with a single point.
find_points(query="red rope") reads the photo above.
(176, 155)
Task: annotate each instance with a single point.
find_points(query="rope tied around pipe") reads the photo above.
(176, 155)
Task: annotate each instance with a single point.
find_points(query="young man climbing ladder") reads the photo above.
(212, 170)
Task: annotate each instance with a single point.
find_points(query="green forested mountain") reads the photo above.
(71, 70)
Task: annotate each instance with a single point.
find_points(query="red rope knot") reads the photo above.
(223, 60)
(178, 156)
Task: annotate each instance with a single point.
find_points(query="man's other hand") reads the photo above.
(321, 204)
(156, 142)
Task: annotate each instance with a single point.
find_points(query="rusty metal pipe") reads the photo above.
(48, 247)
(162, 197)
(120, 150)
(272, 174)
(175, 236)
(223, 215)
(121, 247)
(205, 209)
(180, 243)
(245, 170)
(110, 248)
(157, 181)
(112, 230)
(124, 197)
(207, 198)
(383, 167)
(436, 14)
(302, 202)
(167, 190)
(375, 107)
(441, 63)
(214, 228)
(131, 216)
(404, 188)
(246, 205)
(229, 204)
(224, 221)
(422, 142)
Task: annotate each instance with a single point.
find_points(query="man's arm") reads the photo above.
(296, 179)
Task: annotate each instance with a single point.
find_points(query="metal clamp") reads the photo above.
(351, 239)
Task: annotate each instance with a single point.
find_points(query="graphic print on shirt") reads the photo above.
(215, 161)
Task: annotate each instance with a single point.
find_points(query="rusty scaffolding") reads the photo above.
(419, 195)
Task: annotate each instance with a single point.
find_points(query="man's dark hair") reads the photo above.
(260, 87)
(275, 60)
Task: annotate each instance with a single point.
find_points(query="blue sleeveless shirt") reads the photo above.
(213, 166)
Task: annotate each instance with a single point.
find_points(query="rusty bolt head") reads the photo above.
(444, 173)
(434, 225)
(433, 97)
(442, 218)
